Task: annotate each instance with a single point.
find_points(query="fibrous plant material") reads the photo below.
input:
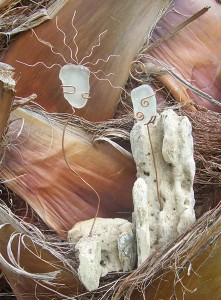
(206, 130)
(203, 128)
(7, 86)
(46, 182)
(181, 269)
(6, 216)
(34, 267)
(3, 3)
(17, 16)
(67, 15)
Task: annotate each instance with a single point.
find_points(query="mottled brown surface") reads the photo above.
(58, 196)
(127, 25)
(194, 52)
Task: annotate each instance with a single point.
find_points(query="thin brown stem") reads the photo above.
(175, 30)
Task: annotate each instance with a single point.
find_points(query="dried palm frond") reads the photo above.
(199, 124)
(100, 37)
(65, 187)
(191, 55)
(206, 126)
(35, 265)
(206, 132)
(60, 198)
(17, 16)
(46, 182)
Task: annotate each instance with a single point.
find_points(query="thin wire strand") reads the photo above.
(106, 75)
(74, 38)
(130, 70)
(38, 63)
(101, 59)
(50, 46)
(64, 40)
(74, 171)
(106, 79)
(93, 47)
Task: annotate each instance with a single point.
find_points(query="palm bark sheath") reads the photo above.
(54, 161)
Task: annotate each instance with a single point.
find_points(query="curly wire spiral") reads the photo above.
(139, 116)
(144, 102)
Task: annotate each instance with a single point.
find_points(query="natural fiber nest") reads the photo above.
(206, 127)
(207, 153)
(178, 255)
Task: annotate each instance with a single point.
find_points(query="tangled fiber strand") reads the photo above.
(207, 140)
(207, 137)
(207, 154)
(114, 128)
(206, 127)
(55, 245)
(19, 16)
(176, 256)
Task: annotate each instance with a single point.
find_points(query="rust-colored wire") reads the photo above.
(74, 171)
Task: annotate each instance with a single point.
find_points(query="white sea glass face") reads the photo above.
(144, 103)
(75, 84)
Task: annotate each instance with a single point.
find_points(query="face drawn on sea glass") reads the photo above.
(75, 84)
(144, 103)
